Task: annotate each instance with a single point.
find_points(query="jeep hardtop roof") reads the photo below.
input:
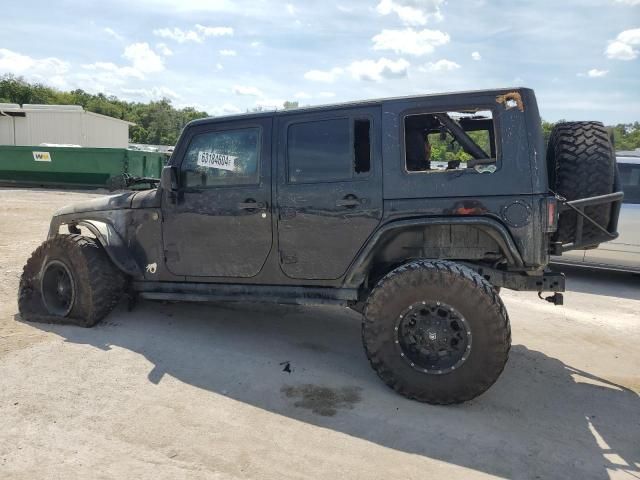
(357, 103)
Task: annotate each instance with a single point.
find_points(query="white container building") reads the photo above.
(60, 125)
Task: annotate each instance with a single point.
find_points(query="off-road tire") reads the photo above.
(467, 292)
(581, 164)
(98, 283)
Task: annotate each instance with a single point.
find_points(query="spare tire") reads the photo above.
(581, 164)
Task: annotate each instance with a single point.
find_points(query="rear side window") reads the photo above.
(229, 157)
(450, 141)
(630, 177)
(328, 150)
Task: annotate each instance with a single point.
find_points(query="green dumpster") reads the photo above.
(76, 167)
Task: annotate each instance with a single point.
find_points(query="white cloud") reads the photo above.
(228, 53)
(291, 9)
(622, 47)
(412, 12)
(143, 58)
(255, 44)
(632, 37)
(153, 93)
(143, 61)
(410, 41)
(197, 35)
(629, 2)
(476, 56)
(307, 96)
(58, 81)
(326, 76)
(379, 70)
(219, 66)
(440, 66)
(226, 109)
(594, 73)
(164, 50)
(16, 63)
(270, 103)
(621, 51)
(243, 90)
(112, 33)
(112, 68)
(178, 34)
(214, 31)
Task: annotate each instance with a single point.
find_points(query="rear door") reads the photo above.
(329, 195)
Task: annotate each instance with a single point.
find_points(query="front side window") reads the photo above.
(328, 150)
(450, 141)
(222, 158)
(630, 177)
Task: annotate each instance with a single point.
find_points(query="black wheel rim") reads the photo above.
(433, 337)
(58, 290)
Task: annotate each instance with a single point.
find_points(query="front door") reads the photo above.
(219, 222)
(329, 189)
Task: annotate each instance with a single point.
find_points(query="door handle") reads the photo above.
(349, 201)
(252, 205)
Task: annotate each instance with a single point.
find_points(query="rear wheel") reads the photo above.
(436, 332)
(581, 164)
(69, 279)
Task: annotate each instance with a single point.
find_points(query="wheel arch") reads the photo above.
(404, 240)
(107, 236)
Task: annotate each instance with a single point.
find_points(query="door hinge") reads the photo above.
(287, 259)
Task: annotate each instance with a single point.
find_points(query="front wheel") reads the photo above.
(69, 279)
(436, 332)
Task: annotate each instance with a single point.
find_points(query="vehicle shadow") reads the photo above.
(542, 419)
(601, 282)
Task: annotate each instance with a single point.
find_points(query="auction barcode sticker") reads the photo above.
(42, 156)
(217, 160)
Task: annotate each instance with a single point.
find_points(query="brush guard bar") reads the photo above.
(578, 206)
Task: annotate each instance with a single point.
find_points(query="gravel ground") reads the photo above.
(199, 391)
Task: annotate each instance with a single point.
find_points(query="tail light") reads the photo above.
(551, 213)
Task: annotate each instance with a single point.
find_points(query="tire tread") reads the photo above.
(390, 284)
(101, 281)
(582, 164)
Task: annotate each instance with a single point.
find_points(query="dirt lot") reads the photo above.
(198, 391)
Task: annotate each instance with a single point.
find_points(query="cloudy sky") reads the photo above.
(581, 56)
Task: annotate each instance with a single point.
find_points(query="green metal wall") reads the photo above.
(78, 167)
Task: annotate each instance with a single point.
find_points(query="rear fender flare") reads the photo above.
(360, 267)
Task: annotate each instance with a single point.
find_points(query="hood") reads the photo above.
(109, 202)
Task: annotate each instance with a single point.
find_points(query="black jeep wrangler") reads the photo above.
(413, 211)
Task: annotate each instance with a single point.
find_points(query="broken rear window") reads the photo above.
(450, 141)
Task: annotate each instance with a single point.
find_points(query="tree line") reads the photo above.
(159, 122)
(156, 122)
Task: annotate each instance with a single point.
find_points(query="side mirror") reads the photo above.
(169, 179)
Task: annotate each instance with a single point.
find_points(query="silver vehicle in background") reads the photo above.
(623, 253)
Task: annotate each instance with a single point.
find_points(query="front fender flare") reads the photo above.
(112, 243)
(359, 268)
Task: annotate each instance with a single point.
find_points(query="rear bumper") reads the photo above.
(546, 281)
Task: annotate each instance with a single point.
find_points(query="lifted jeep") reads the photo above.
(413, 211)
